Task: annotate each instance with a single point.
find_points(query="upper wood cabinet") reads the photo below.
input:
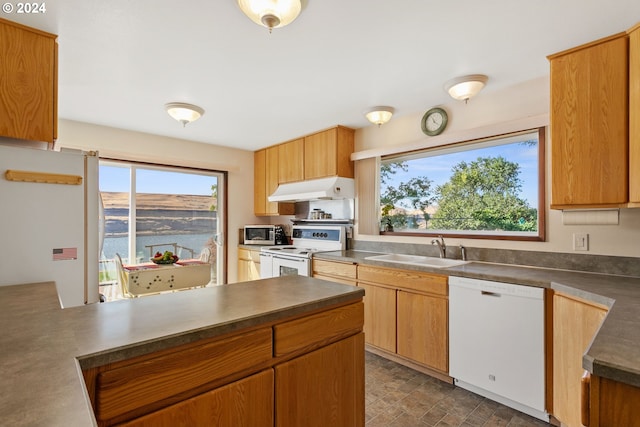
(28, 82)
(406, 315)
(323, 154)
(291, 161)
(328, 153)
(634, 114)
(595, 123)
(265, 182)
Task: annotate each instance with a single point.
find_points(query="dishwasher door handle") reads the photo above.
(491, 294)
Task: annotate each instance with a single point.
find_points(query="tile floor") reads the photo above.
(397, 396)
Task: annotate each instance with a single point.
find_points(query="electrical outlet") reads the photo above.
(580, 241)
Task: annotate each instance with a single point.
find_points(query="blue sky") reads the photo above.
(116, 179)
(438, 168)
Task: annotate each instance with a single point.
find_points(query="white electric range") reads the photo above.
(278, 261)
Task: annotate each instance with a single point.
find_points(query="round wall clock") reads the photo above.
(434, 121)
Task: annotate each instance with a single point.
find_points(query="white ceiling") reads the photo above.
(120, 61)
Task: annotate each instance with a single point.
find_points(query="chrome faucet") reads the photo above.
(441, 245)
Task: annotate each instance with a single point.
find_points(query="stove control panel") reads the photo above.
(315, 234)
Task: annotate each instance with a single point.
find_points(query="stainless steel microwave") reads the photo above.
(259, 234)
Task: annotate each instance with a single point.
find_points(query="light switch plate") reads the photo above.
(580, 241)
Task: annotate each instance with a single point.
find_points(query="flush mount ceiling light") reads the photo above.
(465, 87)
(379, 115)
(271, 13)
(184, 113)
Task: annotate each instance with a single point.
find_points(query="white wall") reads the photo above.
(490, 108)
(137, 146)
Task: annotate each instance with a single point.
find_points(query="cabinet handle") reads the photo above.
(585, 391)
(491, 294)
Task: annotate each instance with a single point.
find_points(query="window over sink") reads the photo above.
(489, 188)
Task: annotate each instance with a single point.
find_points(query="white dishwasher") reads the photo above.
(496, 342)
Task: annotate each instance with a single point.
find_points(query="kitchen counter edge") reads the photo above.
(47, 347)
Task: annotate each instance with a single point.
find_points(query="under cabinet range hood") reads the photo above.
(334, 187)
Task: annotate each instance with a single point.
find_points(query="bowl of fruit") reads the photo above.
(164, 258)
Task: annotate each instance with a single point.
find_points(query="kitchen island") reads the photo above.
(104, 363)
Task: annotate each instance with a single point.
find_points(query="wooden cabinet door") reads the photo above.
(28, 104)
(291, 161)
(265, 182)
(244, 403)
(328, 153)
(248, 265)
(322, 388)
(259, 182)
(613, 404)
(574, 325)
(271, 178)
(634, 114)
(320, 154)
(589, 130)
(422, 329)
(380, 316)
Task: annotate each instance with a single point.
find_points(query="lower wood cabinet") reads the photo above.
(380, 316)
(422, 329)
(322, 388)
(575, 322)
(406, 315)
(244, 403)
(248, 264)
(307, 370)
(613, 404)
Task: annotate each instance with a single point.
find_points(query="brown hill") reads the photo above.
(113, 200)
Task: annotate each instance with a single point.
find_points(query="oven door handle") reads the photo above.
(290, 258)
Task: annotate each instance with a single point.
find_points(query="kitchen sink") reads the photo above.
(425, 261)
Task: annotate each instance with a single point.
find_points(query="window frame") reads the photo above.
(541, 234)
(222, 193)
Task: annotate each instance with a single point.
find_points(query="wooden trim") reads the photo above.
(42, 177)
(542, 184)
(585, 384)
(548, 349)
(594, 401)
(55, 94)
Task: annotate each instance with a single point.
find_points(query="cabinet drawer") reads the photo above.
(404, 279)
(252, 399)
(333, 268)
(249, 255)
(126, 388)
(335, 279)
(319, 329)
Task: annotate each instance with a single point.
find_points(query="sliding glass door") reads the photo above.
(151, 209)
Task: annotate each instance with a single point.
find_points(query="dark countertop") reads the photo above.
(44, 347)
(615, 350)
